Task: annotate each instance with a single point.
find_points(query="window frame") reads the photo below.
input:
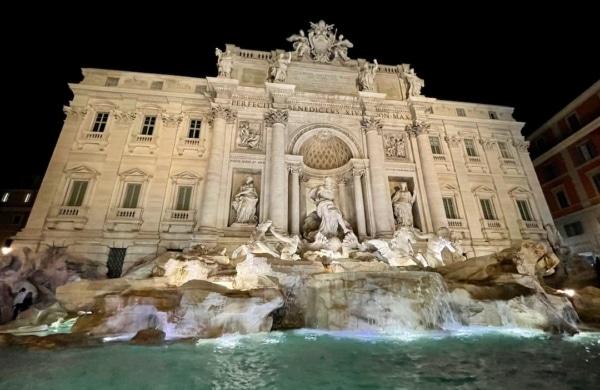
(195, 126)
(151, 127)
(474, 148)
(99, 125)
(492, 208)
(461, 112)
(439, 145)
(453, 204)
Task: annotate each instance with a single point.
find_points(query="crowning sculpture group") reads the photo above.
(323, 45)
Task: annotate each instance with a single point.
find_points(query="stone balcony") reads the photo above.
(124, 219)
(531, 230)
(457, 223)
(97, 138)
(178, 221)
(195, 145)
(67, 217)
(142, 141)
(493, 229)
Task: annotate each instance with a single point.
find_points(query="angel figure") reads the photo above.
(340, 48)
(300, 44)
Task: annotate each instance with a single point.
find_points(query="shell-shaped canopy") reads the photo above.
(325, 151)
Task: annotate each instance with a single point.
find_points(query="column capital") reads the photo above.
(453, 140)
(521, 146)
(170, 120)
(295, 169)
(276, 116)
(358, 172)
(221, 112)
(75, 111)
(418, 127)
(487, 143)
(371, 123)
(124, 116)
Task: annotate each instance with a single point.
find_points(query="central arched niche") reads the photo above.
(324, 150)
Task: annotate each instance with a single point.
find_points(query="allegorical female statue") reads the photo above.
(402, 202)
(366, 76)
(244, 203)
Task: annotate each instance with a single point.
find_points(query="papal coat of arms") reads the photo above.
(322, 43)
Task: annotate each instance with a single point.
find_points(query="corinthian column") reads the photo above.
(277, 119)
(295, 170)
(359, 203)
(210, 200)
(420, 130)
(382, 205)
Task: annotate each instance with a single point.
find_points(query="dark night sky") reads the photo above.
(500, 54)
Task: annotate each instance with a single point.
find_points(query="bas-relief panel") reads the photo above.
(250, 136)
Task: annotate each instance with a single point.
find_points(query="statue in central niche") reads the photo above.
(327, 219)
(244, 203)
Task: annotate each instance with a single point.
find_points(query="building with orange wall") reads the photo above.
(566, 154)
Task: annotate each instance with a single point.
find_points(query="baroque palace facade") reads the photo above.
(149, 162)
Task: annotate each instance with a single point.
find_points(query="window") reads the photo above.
(573, 122)
(27, 197)
(5, 197)
(111, 82)
(100, 122)
(149, 123)
(78, 188)
(493, 114)
(157, 85)
(200, 89)
(549, 172)
(16, 220)
(450, 208)
(470, 147)
(587, 151)
(596, 179)
(184, 194)
(561, 197)
(504, 151)
(524, 210)
(194, 131)
(116, 257)
(460, 112)
(436, 147)
(488, 209)
(574, 229)
(132, 194)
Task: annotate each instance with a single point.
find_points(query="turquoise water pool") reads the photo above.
(304, 359)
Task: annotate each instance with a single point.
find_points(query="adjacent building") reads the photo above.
(566, 154)
(15, 206)
(148, 162)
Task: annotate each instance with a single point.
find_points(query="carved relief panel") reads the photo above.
(249, 136)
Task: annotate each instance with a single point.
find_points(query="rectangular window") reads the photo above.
(436, 147)
(504, 151)
(132, 194)
(78, 188)
(111, 81)
(27, 197)
(149, 123)
(184, 195)
(561, 197)
(574, 229)
(5, 197)
(460, 112)
(100, 122)
(194, 131)
(450, 208)
(16, 220)
(587, 151)
(549, 172)
(573, 122)
(201, 89)
(493, 114)
(156, 85)
(596, 179)
(488, 209)
(524, 210)
(470, 147)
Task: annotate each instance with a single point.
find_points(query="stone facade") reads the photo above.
(150, 162)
